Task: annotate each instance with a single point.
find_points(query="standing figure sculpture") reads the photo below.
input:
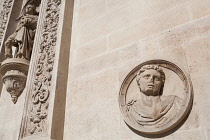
(150, 108)
(14, 71)
(23, 37)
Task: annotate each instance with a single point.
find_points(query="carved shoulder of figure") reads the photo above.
(134, 98)
(129, 105)
(131, 102)
(21, 24)
(31, 18)
(178, 101)
(171, 100)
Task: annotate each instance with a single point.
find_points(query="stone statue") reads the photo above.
(23, 37)
(150, 108)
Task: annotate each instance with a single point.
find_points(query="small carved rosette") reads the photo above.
(14, 73)
(155, 97)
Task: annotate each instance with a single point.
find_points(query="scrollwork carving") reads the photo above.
(7, 6)
(39, 97)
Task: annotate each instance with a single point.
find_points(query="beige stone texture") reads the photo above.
(82, 2)
(109, 42)
(92, 9)
(93, 49)
(202, 96)
(87, 122)
(107, 39)
(149, 27)
(11, 116)
(1, 5)
(199, 9)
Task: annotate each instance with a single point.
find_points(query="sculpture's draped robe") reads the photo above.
(25, 34)
(146, 116)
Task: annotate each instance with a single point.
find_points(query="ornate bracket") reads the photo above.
(14, 73)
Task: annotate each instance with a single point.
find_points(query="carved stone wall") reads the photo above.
(110, 39)
(46, 63)
(1, 4)
(5, 11)
(35, 120)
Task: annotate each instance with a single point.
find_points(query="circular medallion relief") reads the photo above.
(155, 97)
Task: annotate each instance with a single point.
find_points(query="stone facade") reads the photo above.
(110, 38)
(98, 42)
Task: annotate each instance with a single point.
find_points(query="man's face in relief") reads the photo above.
(30, 9)
(150, 82)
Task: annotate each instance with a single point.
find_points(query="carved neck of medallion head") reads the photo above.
(150, 101)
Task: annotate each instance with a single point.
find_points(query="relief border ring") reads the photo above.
(186, 106)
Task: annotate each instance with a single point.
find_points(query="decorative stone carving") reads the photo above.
(7, 6)
(15, 68)
(37, 107)
(149, 110)
(15, 74)
(23, 37)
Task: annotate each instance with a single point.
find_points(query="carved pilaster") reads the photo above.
(36, 116)
(4, 14)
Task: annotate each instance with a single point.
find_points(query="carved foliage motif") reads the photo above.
(39, 98)
(7, 5)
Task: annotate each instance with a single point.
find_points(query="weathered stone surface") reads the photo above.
(110, 38)
(202, 97)
(108, 23)
(82, 2)
(93, 49)
(149, 27)
(1, 2)
(194, 134)
(106, 61)
(91, 10)
(198, 59)
(154, 33)
(11, 116)
(199, 9)
(150, 46)
(88, 98)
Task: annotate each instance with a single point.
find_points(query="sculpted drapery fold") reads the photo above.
(23, 37)
(151, 108)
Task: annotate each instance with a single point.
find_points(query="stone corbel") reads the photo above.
(14, 73)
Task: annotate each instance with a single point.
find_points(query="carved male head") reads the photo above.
(150, 80)
(30, 9)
